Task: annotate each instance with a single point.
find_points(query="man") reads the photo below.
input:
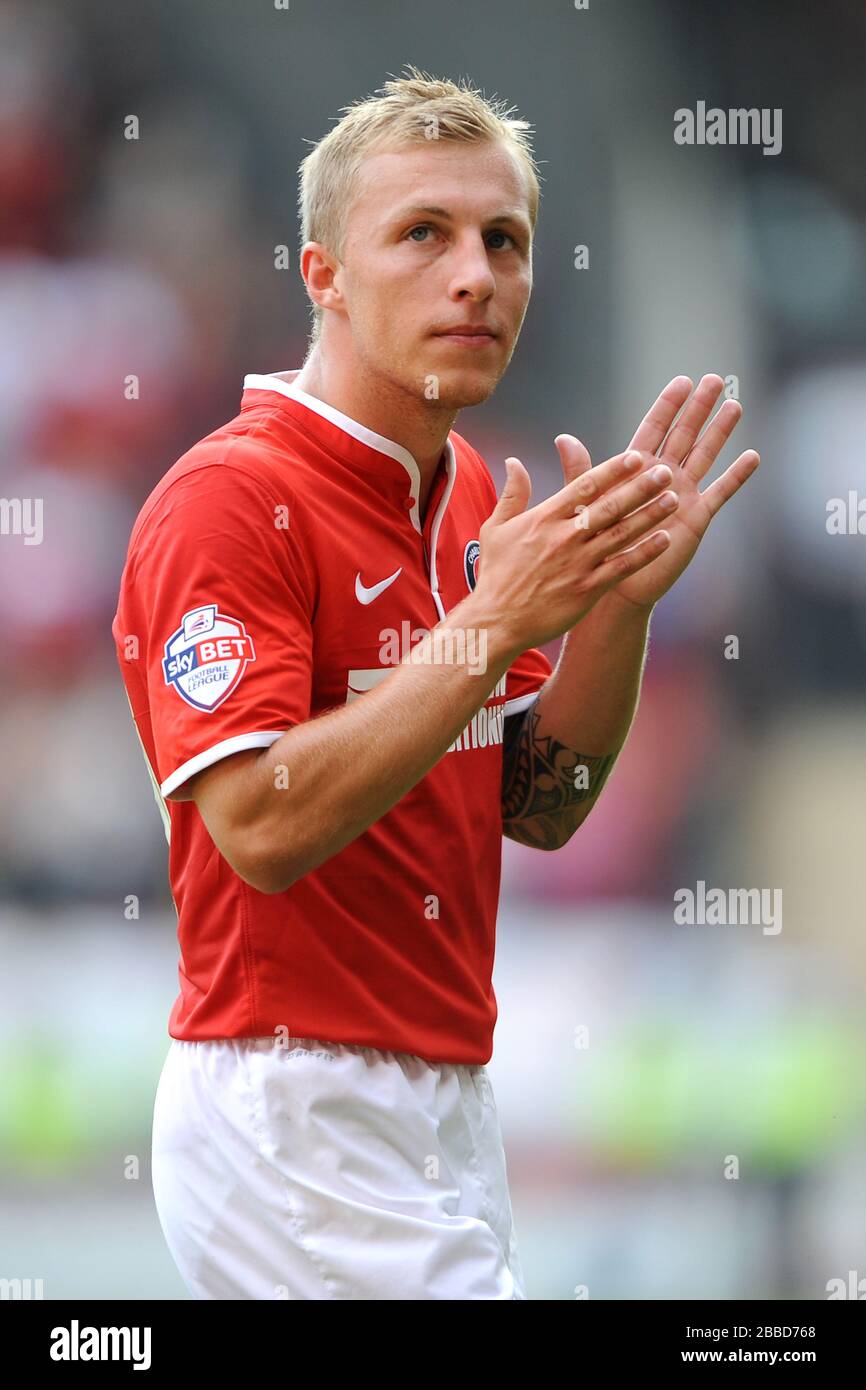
(328, 629)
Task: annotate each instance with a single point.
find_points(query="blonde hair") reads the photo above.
(404, 111)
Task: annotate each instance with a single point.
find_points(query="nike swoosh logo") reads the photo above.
(364, 595)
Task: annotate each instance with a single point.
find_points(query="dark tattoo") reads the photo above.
(544, 784)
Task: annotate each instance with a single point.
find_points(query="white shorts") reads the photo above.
(327, 1171)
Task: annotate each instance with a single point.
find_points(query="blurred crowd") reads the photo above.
(133, 276)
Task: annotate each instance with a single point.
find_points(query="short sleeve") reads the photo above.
(524, 679)
(224, 596)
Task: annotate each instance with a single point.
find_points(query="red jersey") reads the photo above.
(262, 573)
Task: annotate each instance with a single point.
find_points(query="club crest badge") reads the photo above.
(207, 656)
(470, 562)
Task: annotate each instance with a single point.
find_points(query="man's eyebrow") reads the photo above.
(509, 215)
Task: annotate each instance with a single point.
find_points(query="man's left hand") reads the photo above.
(690, 458)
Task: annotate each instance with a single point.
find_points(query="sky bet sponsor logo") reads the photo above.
(205, 659)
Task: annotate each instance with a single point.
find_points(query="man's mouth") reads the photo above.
(473, 335)
(466, 331)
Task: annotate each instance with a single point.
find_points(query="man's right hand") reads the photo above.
(542, 569)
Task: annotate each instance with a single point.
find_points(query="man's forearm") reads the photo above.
(290, 807)
(557, 759)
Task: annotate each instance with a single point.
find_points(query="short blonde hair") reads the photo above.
(404, 111)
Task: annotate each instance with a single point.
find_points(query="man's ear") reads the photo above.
(320, 269)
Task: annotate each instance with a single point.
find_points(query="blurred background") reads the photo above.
(635, 1058)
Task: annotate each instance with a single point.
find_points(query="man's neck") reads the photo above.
(415, 424)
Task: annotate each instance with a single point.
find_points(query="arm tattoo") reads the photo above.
(544, 783)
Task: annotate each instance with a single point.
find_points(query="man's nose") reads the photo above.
(471, 272)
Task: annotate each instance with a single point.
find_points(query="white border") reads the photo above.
(218, 751)
(259, 381)
(264, 739)
(521, 702)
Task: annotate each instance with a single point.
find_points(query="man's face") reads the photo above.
(438, 238)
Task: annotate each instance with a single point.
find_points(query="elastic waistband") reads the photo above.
(285, 1043)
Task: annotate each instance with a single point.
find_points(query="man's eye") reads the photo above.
(426, 227)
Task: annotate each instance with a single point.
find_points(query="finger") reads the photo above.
(626, 562)
(596, 481)
(573, 455)
(515, 494)
(691, 422)
(704, 454)
(719, 492)
(661, 415)
(617, 502)
(636, 524)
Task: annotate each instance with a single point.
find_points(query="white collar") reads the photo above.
(272, 381)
